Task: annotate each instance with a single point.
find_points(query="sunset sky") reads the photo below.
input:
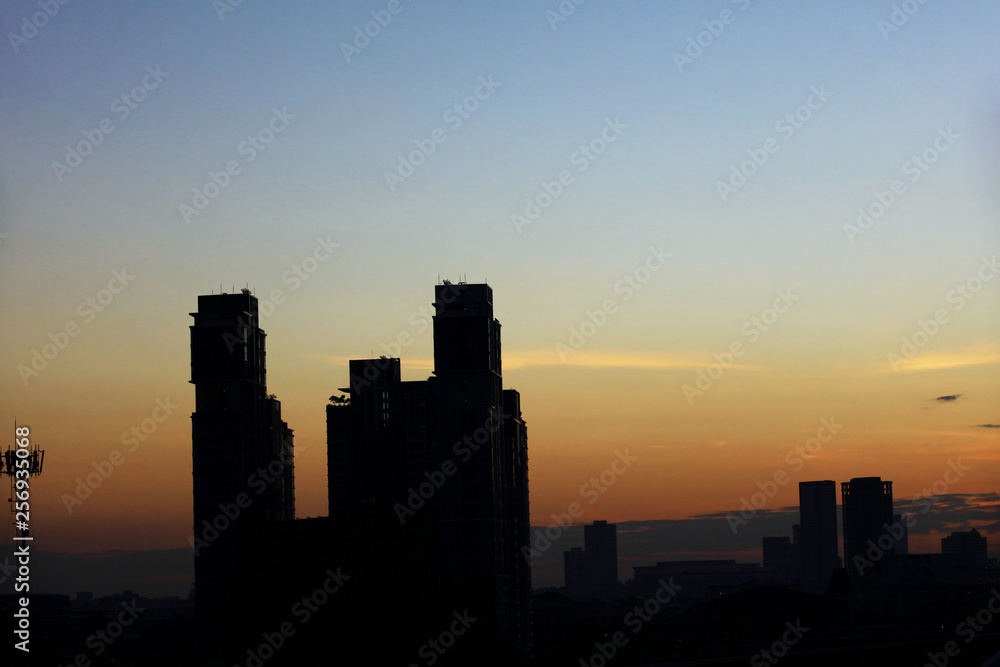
(689, 176)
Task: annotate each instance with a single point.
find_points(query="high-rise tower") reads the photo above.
(447, 458)
(600, 544)
(242, 451)
(818, 552)
(867, 511)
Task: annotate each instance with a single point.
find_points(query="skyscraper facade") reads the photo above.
(447, 456)
(575, 571)
(867, 516)
(242, 451)
(600, 544)
(818, 549)
(969, 548)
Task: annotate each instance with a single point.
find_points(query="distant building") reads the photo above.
(902, 547)
(593, 570)
(600, 543)
(777, 552)
(817, 542)
(700, 579)
(968, 545)
(867, 515)
(797, 544)
(575, 571)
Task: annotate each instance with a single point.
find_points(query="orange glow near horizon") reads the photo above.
(691, 459)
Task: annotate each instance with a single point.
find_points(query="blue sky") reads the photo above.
(555, 88)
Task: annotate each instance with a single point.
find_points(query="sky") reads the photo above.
(734, 242)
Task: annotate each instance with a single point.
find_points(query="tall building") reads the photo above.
(593, 570)
(817, 538)
(446, 456)
(867, 513)
(600, 543)
(970, 545)
(902, 533)
(575, 571)
(428, 521)
(242, 451)
(777, 552)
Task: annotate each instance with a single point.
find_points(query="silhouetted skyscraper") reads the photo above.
(902, 546)
(867, 510)
(777, 552)
(447, 456)
(575, 571)
(600, 544)
(970, 544)
(817, 534)
(242, 451)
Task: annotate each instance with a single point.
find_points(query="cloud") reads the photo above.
(949, 398)
(987, 425)
(983, 355)
(954, 511)
(526, 358)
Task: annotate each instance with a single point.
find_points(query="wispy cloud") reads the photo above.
(930, 361)
(612, 359)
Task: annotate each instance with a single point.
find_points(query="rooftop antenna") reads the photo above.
(10, 466)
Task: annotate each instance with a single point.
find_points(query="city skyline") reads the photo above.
(719, 265)
(595, 490)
